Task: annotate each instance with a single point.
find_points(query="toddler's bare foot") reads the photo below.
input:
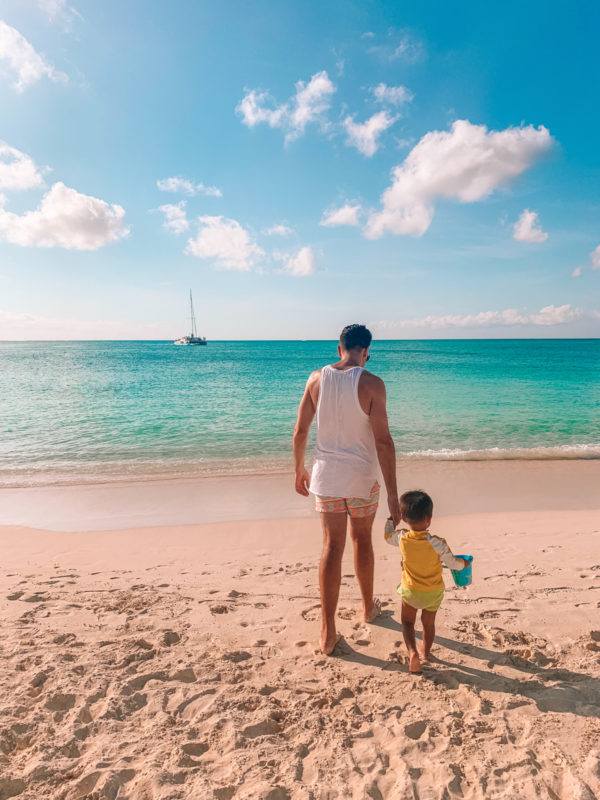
(414, 664)
(374, 612)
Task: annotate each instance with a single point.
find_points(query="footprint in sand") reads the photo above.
(60, 702)
(11, 787)
(36, 598)
(219, 609)
(236, 656)
(192, 749)
(169, 638)
(361, 635)
(311, 614)
(416, 729)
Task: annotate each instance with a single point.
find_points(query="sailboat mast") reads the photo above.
(192, 315)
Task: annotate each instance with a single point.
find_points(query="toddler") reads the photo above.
(422, 586)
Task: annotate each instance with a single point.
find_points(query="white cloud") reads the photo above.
(179, 184)
(65, 218)
(252, 109)
(346, 215)
(528, 228)
(53, 8)
(226, 241)
(299, 265)
(58, 10)
(392, 94)
(16, 325)
(468, 163)
(549, 315)
(279, 230)
(595, 256)
(17, 170)
(27, 65)
(309, 104)
(577, 272)
(407, 48)
(312, 100)
(555, 315)
(364, 135)
(175, 217)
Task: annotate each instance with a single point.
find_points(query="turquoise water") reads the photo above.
(82, 411)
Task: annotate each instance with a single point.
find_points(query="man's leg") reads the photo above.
(409, 615)
(428, 620)
(330, 574)
(364, 562)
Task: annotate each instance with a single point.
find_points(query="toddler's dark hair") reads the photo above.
(416, 505)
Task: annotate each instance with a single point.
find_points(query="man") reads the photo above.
(352, 437)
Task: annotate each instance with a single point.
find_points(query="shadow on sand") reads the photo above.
(572, 692)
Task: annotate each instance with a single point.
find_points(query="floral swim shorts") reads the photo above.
(353, 506)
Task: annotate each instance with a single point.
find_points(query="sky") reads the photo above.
(428, 169)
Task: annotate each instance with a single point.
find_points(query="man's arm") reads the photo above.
(306, 414)
(386, 452)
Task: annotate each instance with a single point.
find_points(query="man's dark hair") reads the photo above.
(355, 336)
(415, 506)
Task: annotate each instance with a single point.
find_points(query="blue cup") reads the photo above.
(462, 577)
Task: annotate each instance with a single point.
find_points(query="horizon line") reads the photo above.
(411, 339)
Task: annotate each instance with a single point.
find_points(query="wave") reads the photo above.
(556, 453)
(131, 471)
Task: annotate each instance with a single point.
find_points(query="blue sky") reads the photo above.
(429, 169)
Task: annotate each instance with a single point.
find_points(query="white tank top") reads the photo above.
(345, 457)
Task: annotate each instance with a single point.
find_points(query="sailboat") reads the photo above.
(193, 338)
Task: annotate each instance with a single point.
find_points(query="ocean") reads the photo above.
(77, 412)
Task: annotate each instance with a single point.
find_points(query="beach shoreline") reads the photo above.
(457, 487)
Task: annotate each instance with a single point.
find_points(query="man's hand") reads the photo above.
(395, 514)
(302, 481)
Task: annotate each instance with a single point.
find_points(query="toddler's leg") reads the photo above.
(428, 620)
(409, 615)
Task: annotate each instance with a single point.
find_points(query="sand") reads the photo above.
(179, 661)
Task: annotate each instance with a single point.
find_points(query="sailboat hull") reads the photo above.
(191, 340)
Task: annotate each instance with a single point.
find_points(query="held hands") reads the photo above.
(302, 481)
(395, 514)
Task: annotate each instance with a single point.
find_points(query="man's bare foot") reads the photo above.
(414, 664)
(328, 643)
(424, 657)
(374, 612)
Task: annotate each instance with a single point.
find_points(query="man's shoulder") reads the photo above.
(373, 382)
(314, 382)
